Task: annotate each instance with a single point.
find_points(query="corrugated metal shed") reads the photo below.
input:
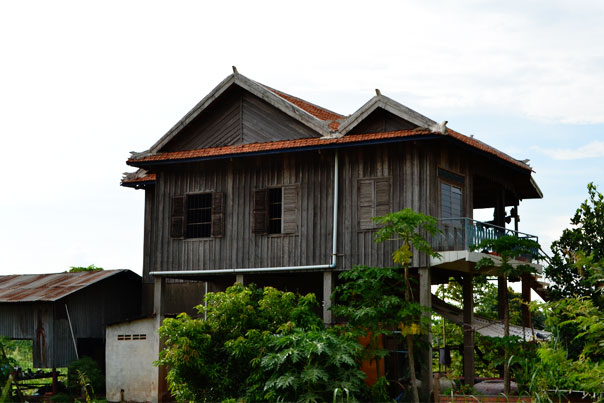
(48, 287)
(36, 307)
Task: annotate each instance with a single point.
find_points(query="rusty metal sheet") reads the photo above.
(48, 287)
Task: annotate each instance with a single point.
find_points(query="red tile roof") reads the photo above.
(146, 178)
(315, 110)
(316, 142)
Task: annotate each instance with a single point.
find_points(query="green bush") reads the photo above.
(251, 340)
(85, 368)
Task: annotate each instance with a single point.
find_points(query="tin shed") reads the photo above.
(65, 314)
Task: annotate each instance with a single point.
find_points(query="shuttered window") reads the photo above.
(276, 210)
(373, 200)
(451, 200)
(199, 215)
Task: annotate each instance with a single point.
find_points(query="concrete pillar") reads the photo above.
(239, 279)
(159, 290)
(468, 331)
(425, 300)
(327, 290)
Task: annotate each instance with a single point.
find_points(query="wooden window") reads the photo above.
(199, 215)
(275, 210)
(451, 200)
(373, 200)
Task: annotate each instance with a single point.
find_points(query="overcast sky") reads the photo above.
(83, 83)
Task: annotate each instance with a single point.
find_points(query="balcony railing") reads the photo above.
(461, 233)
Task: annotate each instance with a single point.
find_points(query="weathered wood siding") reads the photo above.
(410, 166)
(381, 120)
(312, 172)
(238, 117)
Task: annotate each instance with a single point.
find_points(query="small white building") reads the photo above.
(130, 351)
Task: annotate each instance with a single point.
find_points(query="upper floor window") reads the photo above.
(276, 210)
(197, 215)
(373, 200)
(450, 201)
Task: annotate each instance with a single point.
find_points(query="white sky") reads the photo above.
(83, 83)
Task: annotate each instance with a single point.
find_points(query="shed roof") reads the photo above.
(49, 287)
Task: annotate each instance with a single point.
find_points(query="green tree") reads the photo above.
(410, 228)
(513, 253)
(575, 268)
(378, 300)
(77, 269)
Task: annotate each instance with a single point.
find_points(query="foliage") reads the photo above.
(375, 301)
(576, 268)
(225, 356)
(308, 365)
(556, 369)
(85, 369)
(7, 363)
(77, 269)
(372, 300)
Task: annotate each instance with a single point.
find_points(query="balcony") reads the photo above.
(459, 235)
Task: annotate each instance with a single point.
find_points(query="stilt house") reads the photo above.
(256, 185)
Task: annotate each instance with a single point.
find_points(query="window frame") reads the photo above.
(290, 210)
(179, 216)
(377, 208)
(453, 180)
(187, 223)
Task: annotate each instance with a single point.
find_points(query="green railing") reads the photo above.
(461, 233)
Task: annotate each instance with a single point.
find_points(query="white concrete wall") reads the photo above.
(129, 363)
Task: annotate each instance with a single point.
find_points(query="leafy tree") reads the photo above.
(77, 269)
(578, 255)
(378, 300)
(409, 227)
(231, 355)
(513, 252)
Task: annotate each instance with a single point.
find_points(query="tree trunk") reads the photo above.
(409, 338)
(412, 368)
(506, 333)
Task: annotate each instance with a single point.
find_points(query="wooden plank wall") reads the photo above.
(239, 248)
(238, 117)
(411, 166)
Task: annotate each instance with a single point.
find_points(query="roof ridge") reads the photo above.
(287, 97)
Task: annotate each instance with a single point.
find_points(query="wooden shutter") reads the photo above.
(260, 212)
(382, 196)
(177, 218)
(365, 206)
(290, 210)
(217, 214)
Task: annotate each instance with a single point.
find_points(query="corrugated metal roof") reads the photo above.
(48, 287)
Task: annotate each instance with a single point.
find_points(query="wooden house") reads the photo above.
(256, 185)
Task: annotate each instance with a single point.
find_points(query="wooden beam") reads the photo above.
(327, 290)
(526, 299)
(468, 331)
(425, 300)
